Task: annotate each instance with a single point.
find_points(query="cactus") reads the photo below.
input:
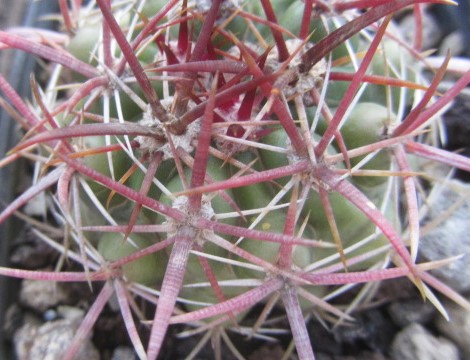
(210, 156)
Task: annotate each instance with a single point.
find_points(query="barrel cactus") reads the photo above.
(205, 157)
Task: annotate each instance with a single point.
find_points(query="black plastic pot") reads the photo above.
(21, 66)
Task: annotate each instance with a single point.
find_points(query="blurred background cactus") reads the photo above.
(205, 157)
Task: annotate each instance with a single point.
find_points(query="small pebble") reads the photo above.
(42, 295)
(50, 315)
(410, 311)
(432, 32)
(458, 328)
(453, 43)
(416, 343)
(50, 341)
(450, 237)
(123, 353)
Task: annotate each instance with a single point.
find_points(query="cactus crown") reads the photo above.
(209, 156)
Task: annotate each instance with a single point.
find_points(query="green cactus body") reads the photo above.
(274, 222)
(101, 163)
(319, 27)
(367, 124)
(352, 223)
(84, 42)
(252, 196)
(394, 62)
(153, 7)
(195, 275)
(148, 270)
